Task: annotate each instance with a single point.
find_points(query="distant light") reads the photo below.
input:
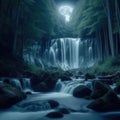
(66, 11)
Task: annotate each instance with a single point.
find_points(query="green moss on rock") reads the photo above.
(99, 89)
(108, 102)
(10, 95)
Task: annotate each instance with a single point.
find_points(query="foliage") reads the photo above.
(91, 15)
(111, 65)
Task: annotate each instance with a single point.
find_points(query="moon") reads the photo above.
(66, 11)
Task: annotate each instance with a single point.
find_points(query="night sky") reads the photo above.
(66, 1)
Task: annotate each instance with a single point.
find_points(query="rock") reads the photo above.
(41, 87)
(64, 110)
(108, 102)
(89, 76)
(117, 88)
(44, 82)
(53, 103)
(81, 91)
(99, 89)
(9, 95)
(7, 80)
(28, 93)
(54, 115)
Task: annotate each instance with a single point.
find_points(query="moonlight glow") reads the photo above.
(66, 11)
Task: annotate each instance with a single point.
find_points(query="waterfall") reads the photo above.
(23, 83)
(69, 86)
(69, 53)
(15, 82)
(26, 85)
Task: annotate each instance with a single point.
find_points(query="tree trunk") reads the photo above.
(110, 28)
(15, 52)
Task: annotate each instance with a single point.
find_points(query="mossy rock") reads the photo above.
(81, 91)
(89, 76)
(10, 95)
(99, 89)
(54, 115)
(108, 102)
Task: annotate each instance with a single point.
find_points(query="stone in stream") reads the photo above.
(108, 102)
(55, 115)
(89, 76)
(117, 88)
(10, 95)
(81, 91)
(53, 103)
(99, 89)
(64, 110)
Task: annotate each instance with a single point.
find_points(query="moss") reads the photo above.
(10, 95)
(89, 76)
(99, 89)
(109, 66)
(108, 102)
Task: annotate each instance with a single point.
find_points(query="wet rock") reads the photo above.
(117, 88)
(28, 93)
(54, 115)
(7, 80)
(108, 102)
(81, 91)
(99, 89)
(89, 76)
(44, 82)
(42, 87)
(64, 110)
(10, 95)
(53, 103)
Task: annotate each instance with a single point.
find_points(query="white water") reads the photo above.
(26, 85)
(69, 86)
(36, 106)
(65, 53)
(23, 84)
(69, 53)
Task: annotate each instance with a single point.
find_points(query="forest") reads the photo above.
(59, 59)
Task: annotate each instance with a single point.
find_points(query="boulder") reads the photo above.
(117, 88)
(81, 91)
(64, 110)
(9, 95)
(54, 115)
(89, 76)
(99, 89)
(108, 102)
(53, 103)
(41, 87)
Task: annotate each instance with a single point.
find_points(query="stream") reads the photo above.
(37, 106)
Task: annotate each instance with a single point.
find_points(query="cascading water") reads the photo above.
(23, 84)
(26, 85)
(69, 86)
(69, 53)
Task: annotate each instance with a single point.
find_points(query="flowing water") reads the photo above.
(37, 105)
(70, 53)
(65, 53)
(23, 84)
